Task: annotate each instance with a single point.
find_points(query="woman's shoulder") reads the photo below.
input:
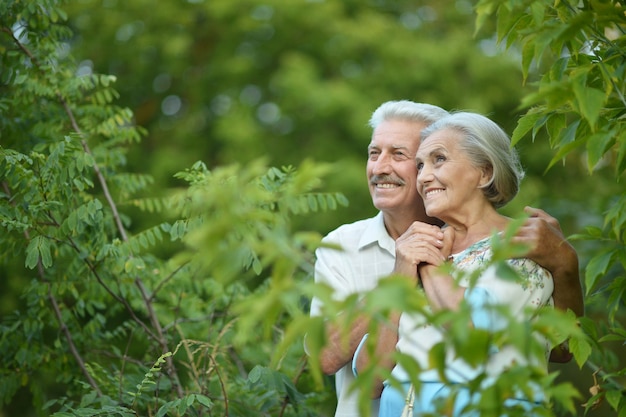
(477, 252)
(528, 267)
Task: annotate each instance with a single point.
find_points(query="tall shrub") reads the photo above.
(179, 318)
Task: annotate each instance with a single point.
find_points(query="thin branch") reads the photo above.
(303, 363)
(192, 366)
(57, 312)
(66, 332)
(222, 385)
(92, 268)
(165, 281)
(171, 370)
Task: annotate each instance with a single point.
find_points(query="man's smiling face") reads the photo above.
(391, 170)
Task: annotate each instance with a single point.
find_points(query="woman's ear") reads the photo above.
(486, 174)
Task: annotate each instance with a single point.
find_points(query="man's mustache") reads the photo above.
(377, 179)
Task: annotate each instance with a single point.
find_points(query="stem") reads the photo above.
(303, 363)
(68, 335)
(57, 313)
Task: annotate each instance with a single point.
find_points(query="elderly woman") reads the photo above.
(466, 170)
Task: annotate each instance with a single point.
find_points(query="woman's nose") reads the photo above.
(424, 174)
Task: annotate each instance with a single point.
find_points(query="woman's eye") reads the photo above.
(420, 165)
(440, 158)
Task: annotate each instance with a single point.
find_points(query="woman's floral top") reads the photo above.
(519, 284)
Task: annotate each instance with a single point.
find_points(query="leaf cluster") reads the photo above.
(578, 51)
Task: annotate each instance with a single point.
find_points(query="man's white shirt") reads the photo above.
(367, 255)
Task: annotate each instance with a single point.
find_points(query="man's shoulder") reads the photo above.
(354, 229)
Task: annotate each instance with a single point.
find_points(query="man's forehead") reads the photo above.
(374, 144)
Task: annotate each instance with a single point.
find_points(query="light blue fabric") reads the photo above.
(483, 317)
(479, 299)
(357, 352)
(432, 393)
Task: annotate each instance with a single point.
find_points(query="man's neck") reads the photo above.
(397, 223)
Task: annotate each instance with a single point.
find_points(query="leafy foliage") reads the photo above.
(121, 330)
(579, 104)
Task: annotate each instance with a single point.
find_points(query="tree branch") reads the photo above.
(57, 312)
(171, 370)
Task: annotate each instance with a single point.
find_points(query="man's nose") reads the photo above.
(382, 164)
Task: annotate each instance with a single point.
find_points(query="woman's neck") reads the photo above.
(468, 233)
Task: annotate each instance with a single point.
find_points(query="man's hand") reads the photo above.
(548, 247)
(542, 234)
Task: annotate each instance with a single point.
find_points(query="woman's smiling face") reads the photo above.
(446, 179)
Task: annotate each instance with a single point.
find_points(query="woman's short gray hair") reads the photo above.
(406, 110)
(486, 145)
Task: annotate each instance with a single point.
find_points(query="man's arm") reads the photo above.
(384, 348)
(341, 340)
(548, 247)
(339, 347)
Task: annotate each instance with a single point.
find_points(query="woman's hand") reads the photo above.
(421, 243)
(440, 288)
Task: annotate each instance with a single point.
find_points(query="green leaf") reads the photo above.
(597, 267)
(597, 145)
(565, 149)
(524, 125)
(204, 400)
(342, 200)
(581, 349)
(476, 347)
(590, 101)
(613, 397)
(134, 264)
(38, 248)
(564, 395)
(258, 374)
(437, 358)
(620, 164)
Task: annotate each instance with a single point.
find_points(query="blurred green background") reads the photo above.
(231, 81)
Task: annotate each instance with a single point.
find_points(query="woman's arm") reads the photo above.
(441, 289)
(420, 244)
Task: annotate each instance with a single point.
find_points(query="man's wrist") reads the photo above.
(567, 267)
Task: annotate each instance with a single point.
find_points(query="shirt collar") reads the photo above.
(377, 233)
